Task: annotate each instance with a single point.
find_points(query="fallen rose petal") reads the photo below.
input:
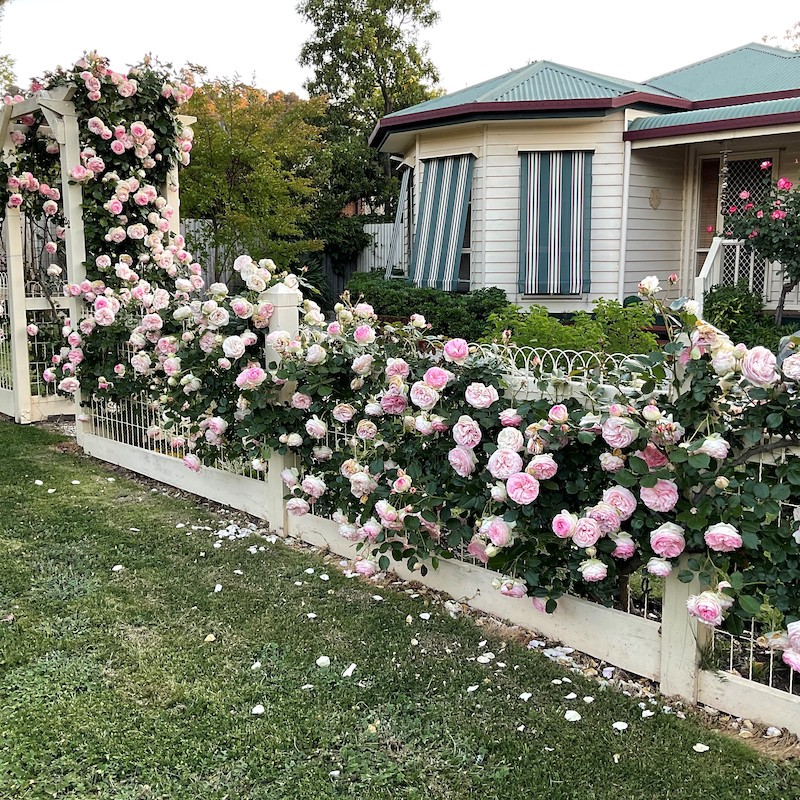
(218, 588)
(323, 662)
(255, 665)
(525, 696)
(348, 673)
(572, 716)
(588, 699)
(620, 726)
(700, 748)
(471, 689)
(257, 710)
(570, 696)
(117, 568)
(210, 638)
(39, 483)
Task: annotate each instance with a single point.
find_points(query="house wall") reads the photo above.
(656, 212)
(496, 202)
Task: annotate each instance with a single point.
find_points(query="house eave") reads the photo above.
(695, 129)
(520, 109)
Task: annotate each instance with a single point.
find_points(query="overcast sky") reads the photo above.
(474, 40)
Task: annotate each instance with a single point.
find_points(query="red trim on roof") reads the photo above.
(761, 121)
(388, 125)
(742, 99)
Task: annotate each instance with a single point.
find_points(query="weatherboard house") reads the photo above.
(562, 186)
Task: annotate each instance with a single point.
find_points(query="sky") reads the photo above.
(259, 40)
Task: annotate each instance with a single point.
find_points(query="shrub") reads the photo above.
(449, 313)
(611, 329)
(740, 313)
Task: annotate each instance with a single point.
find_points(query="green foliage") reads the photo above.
(448, 313)
(740, 313)
(611, 329)
(365, 54)
(254, 172)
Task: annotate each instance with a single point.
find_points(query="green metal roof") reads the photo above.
(751, 69)
(541, 80)
(706, 115)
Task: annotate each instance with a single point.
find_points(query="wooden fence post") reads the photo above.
(683, 638)
(285, 317)
(18, 318)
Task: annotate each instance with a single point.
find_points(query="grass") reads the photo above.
(110, 689)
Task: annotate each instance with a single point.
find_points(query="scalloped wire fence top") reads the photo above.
(540, 362)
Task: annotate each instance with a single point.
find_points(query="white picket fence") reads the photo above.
(666, 649)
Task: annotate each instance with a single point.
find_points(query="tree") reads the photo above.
(367, 62)
(7, 76)
(254, 172)
(366, 56)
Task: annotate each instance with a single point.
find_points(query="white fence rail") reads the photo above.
(668, 649)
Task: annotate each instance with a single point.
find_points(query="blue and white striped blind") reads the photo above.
(555, 222)
(438, 238)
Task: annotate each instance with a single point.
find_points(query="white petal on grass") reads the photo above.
(75, 483)
(310, 571)
(135, 530)
(38, 482)
(620, 726)
(572, 716)
(483, 660)
(521, 728)
(51, 491)
(700, 747)
(255, 665)
(425, 615)
(311, 615)
(348, 673)
(377, 598)
(298, 583)
(324, 577)
(307, 686)
(471, 689)
(117, 568)
(570, 696)
(218, 588)
(238, 572)
(588, 699)
(647, 713)
(334, 773)
(525, 696)
(608, 672)
(257, 710)
(773, 732)
(111, 480)
(323, 662)
(556, 682)
(180, 525)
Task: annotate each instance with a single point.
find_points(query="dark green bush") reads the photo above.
(449, 313)
(740, 313)
(611, 329)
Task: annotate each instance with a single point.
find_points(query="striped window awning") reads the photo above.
(394, 258)
(555, 222)
(439, 234)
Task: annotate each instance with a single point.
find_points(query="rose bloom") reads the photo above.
(667, 540)
(394, 401)
(611, 463)
(299, 400)
(478, 395)
(366, 429)
(659, 566)
(343, 412)
(498, 492)
(662, 497)
(723, 538)
(542, 467)
(558, 414)
(759, 366)
(791, 658)
(606, 516)
(587, 532)
(437, 378)
(511, 439)
(714, 446)
(564, 524)
(456, 351)
(497, 530)
(462, 460)
(364, 334)
(625, 546)
(652, 456)
(513, 588)
(467, 432)
(313, 486)
(593, 570)
(477, 549)
(316, 428)
(618, 432)
(233, 347)
(791, 367)
(510, 418)
(315, 355)
(423, 396)
(251, 378)
(363, 364)
(622, 499)
(706, 607)
(290, 477)
(503, 463)
(297, 507)
(397, 366)
(522, 488)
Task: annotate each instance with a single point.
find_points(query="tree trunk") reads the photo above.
(785, 289)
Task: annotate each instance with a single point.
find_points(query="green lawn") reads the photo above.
(109, 689)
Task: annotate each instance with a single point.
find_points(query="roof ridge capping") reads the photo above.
(778, 52)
